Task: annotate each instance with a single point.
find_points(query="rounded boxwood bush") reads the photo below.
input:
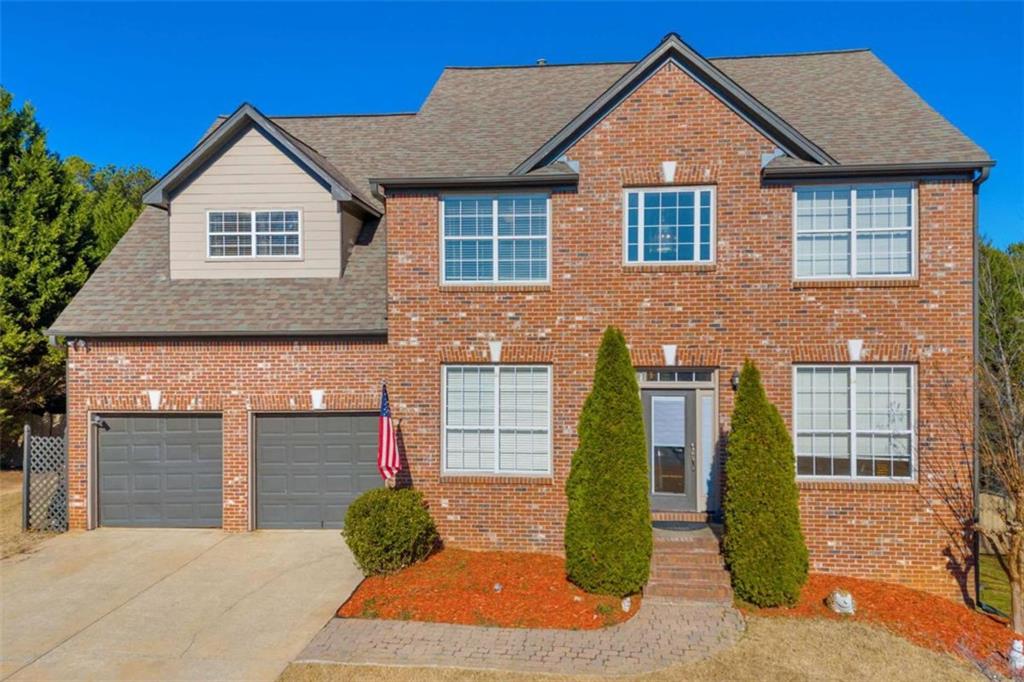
(764, 544)
(388, 530)
(608, 527)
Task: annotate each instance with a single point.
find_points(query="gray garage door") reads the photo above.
(309, 467)
(160, 470)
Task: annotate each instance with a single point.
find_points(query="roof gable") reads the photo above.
(673, 49)
(246, 116)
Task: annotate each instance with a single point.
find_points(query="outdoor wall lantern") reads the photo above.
(734, 380)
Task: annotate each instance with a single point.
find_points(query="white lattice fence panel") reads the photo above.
(47, 484)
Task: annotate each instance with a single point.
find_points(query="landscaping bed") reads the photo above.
(458, 586)
(924, 619)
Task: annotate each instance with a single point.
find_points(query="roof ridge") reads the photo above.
(536, 66)
(383, 115)
(809, 53)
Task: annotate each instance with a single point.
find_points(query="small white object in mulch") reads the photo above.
(841, 602)
(626, 604)
(497, 587)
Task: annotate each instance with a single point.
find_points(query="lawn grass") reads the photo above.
(995, 586)
(771, 649)
(12, 539)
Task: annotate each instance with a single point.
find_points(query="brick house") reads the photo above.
(807, 211)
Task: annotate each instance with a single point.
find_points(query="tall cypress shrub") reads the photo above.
(764, 545)
(608, 529)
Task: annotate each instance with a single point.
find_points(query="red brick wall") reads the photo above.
(745, 306)
(231, 377)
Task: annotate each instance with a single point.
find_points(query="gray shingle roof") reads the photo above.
(131, 294)
(485, 122)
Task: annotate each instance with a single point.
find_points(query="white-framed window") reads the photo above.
(235, 234)
(854, 231)
(496, 238)
(855, 421)
(669, 225)
(497, 419)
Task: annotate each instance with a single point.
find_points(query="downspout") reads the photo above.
(983, 174)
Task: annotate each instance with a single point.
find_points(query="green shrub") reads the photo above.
(388, 530)
(608, 527)
(764, 546)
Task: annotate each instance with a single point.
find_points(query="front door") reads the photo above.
(670, 420)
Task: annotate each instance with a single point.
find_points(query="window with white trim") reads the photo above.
(670, 225)
(854, 422)
(497, 419)
(854, 231)
(234, 234)
(495, 238)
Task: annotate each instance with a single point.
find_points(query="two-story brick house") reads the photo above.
(807, 211)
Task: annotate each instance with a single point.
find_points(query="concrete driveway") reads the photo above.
(168, 604)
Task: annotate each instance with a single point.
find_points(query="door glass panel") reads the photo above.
(668, 429)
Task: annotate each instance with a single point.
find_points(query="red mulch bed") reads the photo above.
(924, 619)
(457, 586)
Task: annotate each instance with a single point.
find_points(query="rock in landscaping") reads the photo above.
(627, 603)
(841, 602)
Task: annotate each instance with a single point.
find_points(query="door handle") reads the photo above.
(693, 456)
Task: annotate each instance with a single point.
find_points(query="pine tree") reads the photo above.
(58, 219)
(608, 529)
(764, 545)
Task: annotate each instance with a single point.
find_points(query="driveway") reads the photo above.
(169, 604)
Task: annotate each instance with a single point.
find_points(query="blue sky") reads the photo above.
(138, 83)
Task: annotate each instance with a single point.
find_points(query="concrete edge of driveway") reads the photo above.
(664, 633)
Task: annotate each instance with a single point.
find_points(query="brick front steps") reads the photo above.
(687, 563)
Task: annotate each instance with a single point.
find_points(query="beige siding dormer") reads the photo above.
(254, 174)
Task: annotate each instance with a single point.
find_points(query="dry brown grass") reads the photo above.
(771, 649)
(12, 539)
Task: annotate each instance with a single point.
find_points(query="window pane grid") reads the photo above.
(496, 238)
(668, 226)
(854, 422)
(234, 233)
(859, 231)
(497, 419)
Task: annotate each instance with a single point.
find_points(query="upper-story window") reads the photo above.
(670, 225)
(855, 231)
(234, 234)
(496, 238)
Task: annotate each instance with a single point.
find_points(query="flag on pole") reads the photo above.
(387, 446)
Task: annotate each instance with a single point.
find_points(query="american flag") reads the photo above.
(387, 447)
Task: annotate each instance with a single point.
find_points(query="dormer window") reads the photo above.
(234, 234)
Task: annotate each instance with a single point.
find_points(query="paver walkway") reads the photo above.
(663, 633)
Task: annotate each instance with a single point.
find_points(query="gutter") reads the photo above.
(879, 169)
(381, 185)
(983, 174)
(152, 334)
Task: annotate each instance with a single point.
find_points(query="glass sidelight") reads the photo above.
(668, 443)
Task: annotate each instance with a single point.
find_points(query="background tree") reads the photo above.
(58, 219)
(1000, 386)
(764, 545)
(608, 537)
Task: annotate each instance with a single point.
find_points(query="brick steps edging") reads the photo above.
(663, 633)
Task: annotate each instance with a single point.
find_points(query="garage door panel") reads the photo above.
(160, 471)
(317, 457)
